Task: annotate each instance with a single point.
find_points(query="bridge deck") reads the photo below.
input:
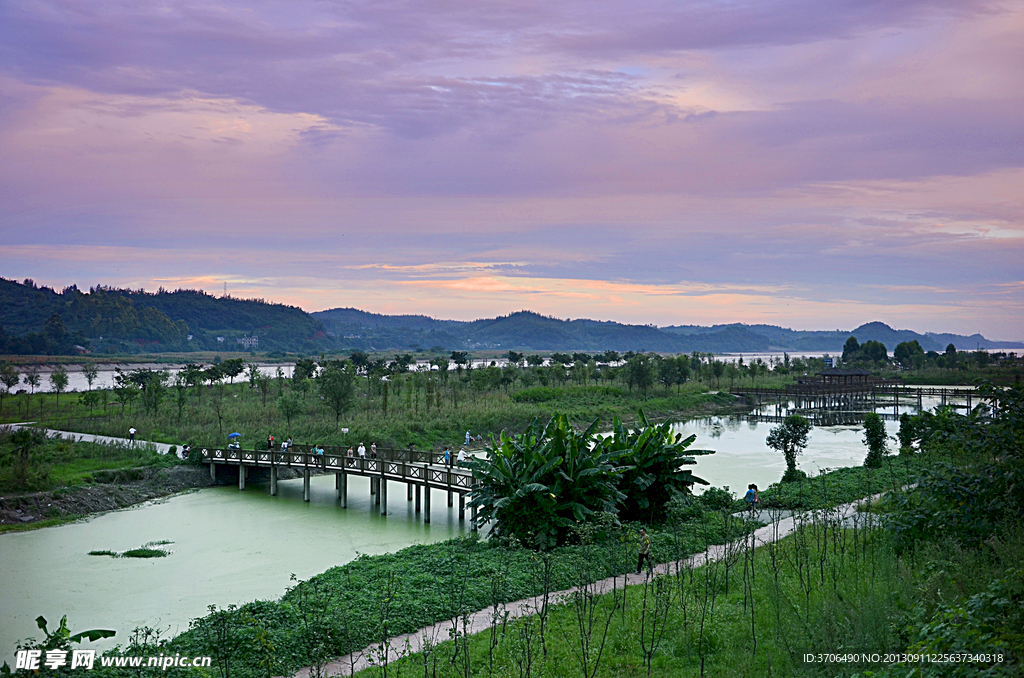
(389, 465)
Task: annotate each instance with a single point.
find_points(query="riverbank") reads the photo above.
(111, 490)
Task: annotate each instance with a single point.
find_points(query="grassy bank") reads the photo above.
(415, 416)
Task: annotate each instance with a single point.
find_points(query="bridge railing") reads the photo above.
(338, 460)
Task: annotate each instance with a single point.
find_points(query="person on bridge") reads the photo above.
(461, 458)
(447, 457)
(350, 452)
(362, 451)
(270, 442)
(319, 450)
(373, 450)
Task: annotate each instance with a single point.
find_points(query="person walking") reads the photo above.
(362, 451)
(373, 450)
(645, 551)
(447, 457)
(753, 498)
(270, 442)
(131, 434)
(461, 458)
(469, 438)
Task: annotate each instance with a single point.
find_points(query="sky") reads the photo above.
(806, 164)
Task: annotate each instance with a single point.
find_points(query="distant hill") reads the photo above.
(784, 339)
(36, 319)
(39, 320)
(525, 330)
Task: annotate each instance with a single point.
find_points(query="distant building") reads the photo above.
(249, 342)
(220, 340)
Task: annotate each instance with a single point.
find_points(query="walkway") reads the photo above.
(484, 619)
(162, 448)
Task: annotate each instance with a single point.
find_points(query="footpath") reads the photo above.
(162, 448)
(482, 620)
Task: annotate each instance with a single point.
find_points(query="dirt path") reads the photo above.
(484, 619)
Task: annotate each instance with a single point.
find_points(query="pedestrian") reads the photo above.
(469, 438)
(461, 458)
(270, 442)
(350, 453)
(447, 457)
(131, 434)
(362, 451)
(373, 450)
(752, 497)
(289, 441)
(645, 551)
(319, 450)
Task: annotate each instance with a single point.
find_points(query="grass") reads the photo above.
(824, 589)
(416, 414)
(57, 462)
(145, 551)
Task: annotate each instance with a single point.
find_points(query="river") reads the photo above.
(230, 547)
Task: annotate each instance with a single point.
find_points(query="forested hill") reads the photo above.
(39, 320)
(526, 330)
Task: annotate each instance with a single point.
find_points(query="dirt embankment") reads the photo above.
(111, 490)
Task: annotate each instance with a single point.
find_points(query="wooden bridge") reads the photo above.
(830, 404)
(420, 471)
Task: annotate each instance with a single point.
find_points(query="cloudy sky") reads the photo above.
(810, 164)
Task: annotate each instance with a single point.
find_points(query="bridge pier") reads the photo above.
(375, 482)
(417, 499)
(373, 486)
(408, 488)
(273, 481)
(426, 504)
(383, 496)
(241, 476)
(305, 484)
(472, 514)
(213, 472)
(341, 485)
(462, 506)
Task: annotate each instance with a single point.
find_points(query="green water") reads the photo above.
(228, 547)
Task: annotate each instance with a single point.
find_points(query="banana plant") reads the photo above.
(537, 485)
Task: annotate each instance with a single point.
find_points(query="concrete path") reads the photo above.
(780, 527)
(162, 448)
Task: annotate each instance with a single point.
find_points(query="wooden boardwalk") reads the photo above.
(832, 404)
(420, 471)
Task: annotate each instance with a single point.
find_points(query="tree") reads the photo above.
(718, 369)
(874, 351)
(909, 354)
(59, 381)
(289, 406)
(9, 377)
(790, 438)
(640, 372)
(90, 373)
(336, 387)
(652, 456)
(153, 387)
(876, 440)
(232, 368)
(252, 373)
(850, 350)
